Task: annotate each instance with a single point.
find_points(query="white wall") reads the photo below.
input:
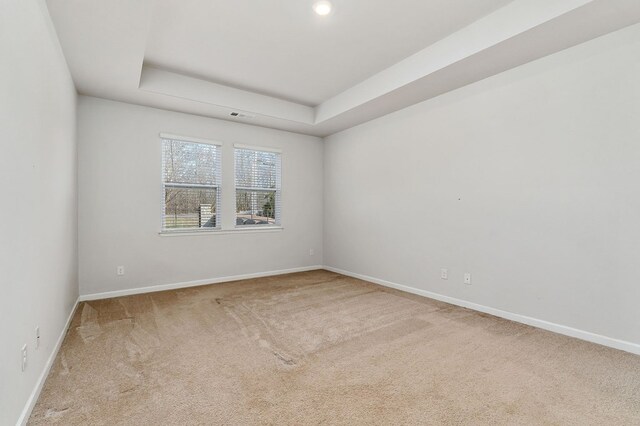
(529, 180)
(38, 214)
(120, 196)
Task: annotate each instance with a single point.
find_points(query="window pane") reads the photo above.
(189, 207)
(257, 187)
(256, 169)
(188, 162)
(191, 176)
(255, 207)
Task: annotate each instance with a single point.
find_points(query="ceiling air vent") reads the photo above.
(241, 115)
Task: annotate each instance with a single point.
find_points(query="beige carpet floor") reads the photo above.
(321, 348)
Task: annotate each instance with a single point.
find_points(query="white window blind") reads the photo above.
(258, 181)
(192, 180)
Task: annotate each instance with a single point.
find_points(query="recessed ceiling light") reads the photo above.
(322, 7)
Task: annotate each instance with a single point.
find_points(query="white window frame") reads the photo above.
(278, 189)
(219, 187)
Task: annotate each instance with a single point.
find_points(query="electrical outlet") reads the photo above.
(37, 337)
(467, 278)
(312, 252)
(444, 274)
(120, 270)
(23, 356)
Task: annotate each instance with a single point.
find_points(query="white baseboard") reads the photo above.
(633, 348)
(163, 287)
(33, 398)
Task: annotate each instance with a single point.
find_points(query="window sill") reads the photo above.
(244, 230)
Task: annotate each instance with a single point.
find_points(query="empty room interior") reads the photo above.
(312, 212)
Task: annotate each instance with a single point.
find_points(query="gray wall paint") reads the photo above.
(38, 218)
(120, 196)
(528, 180)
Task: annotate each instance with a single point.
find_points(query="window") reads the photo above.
(191, 178)
(193, 190)
(257, 187)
